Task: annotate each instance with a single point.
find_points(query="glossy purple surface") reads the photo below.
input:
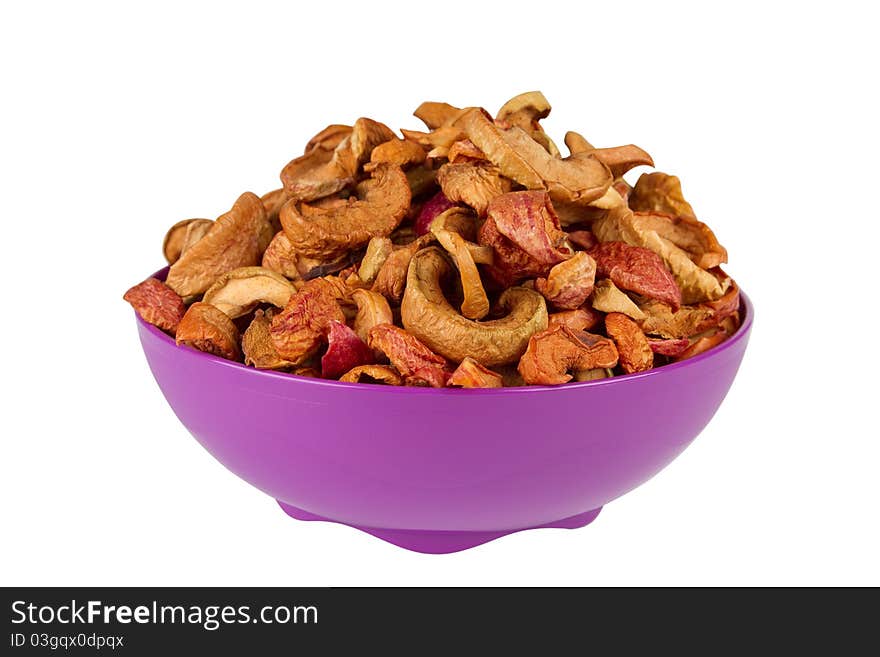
(439, 470)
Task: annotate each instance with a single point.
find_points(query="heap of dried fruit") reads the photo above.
(469, 255)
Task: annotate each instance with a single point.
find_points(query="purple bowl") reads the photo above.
(442, 470)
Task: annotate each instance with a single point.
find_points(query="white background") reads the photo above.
(119, 120)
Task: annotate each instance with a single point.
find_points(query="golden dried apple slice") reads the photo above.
(209, 329)
(257, 346)
(182, 235)
(470, 374)
(475, 304)
(237, 239)
(239, 291)
(609, 299)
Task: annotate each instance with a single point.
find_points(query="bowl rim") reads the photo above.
(746, 308)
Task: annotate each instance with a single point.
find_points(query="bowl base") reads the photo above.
(442, 542)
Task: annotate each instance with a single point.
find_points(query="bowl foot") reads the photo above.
(443, 542)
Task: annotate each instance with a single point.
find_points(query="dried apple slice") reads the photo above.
(435, 206)
(581, 319)
(426, 313)
(345, 351)
(659, 319)
(525, 111)
(157, 304)
(375, 374)
(660, 192)
(372, 310)
(435, 115)
(671, 347)
(607, 298)
(636, 269)
(632, 345)
(473, 183)
(257, 346)
(470, 374)
(391, 279)
(464, 151)
(569, 283)
(457, 219)
(330, 232)
(523, 230)
(182, 235)
(703, 343)
(408, 355)
(321, 173)
(239, 291)
(236, 239)
(693, 237)
(593, 374)
(553, 353)
(402, 152)
(696, 284)
(579, 178)
(300, 329)
(209, 329)
(378, 250)
(281, 257)
(475, 304)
